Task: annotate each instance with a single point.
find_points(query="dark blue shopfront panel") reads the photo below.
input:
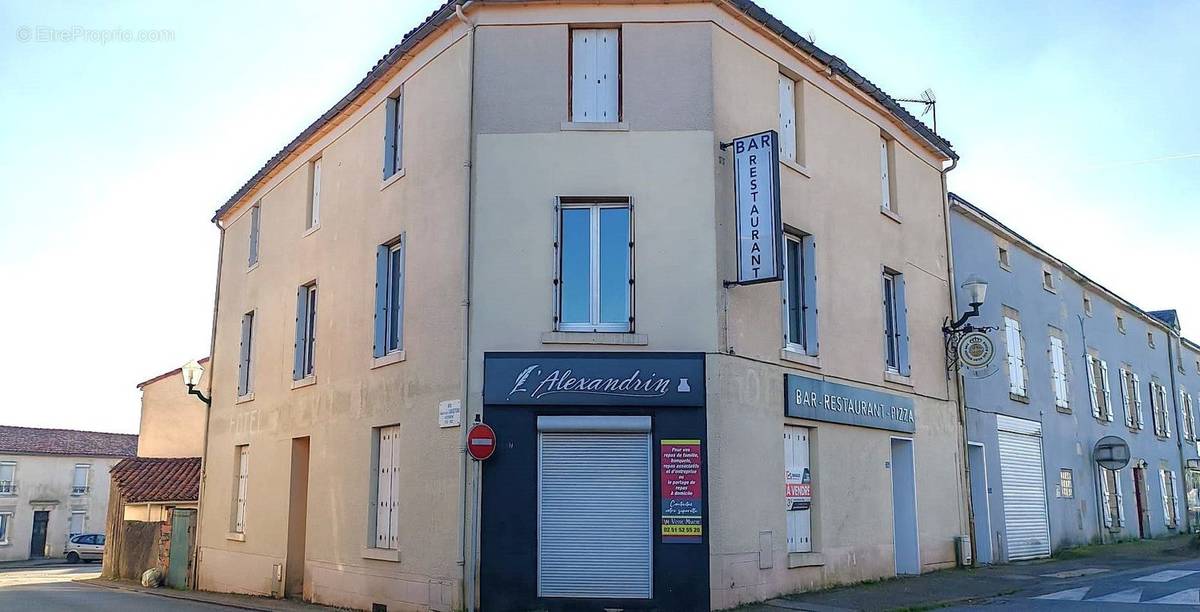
(520, 387)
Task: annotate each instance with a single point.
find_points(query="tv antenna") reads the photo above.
(929, 101)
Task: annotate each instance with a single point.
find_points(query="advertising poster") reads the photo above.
(682, 500)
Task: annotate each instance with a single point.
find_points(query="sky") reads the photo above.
(126, 124)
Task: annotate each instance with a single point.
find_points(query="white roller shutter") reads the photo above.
(594, 514)
(1023, 479)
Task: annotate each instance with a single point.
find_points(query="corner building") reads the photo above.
(524, 216)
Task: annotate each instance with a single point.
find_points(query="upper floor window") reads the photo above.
(887, 180)
(1187, 416)
(255, 222)
(242, 466)
(595, 75)
(1087, 304)
(1058, 372)
(314, 194)
(1015, 355)
(306, 329)
(1131, 395)
(1099, 388)
(800, 294)
(895, 323)
(245, 353)
(8, 477)
(791, 140)
(595, 265)
(1121, 323)
(1150, 339)
(393, 140)
(79, 482)
(1159, 410)
(389, 298)
(1048, 280)
(1002, 257)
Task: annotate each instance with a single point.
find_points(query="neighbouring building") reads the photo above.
(54, 484)
(172, 421)
(1075, 363)
(524, 215)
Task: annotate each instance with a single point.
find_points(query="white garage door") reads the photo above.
(594, 513)
(1024, 482)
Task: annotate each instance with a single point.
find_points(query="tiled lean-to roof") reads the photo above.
(446, 12)
(147, 479)
(74, 443)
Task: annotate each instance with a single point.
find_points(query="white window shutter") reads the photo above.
(383, 492)
(1016, 373)
(1108, 518)
(884, 172)
(583, 75)
(1126, 401)
(1108, 413)
(1137, 399)
(394, 501)
(316, 194)
(608, 75)
(1120, 500)
(787, 118)
(1166, 411)
(1091, 368)
(1058, 363)
(1166, 499)
(1174, 500)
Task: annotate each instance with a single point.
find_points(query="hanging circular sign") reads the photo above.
(975, 350)
(481, 441)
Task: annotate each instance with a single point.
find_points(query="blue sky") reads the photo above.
(1075, 122)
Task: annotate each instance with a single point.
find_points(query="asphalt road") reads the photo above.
(52, 588)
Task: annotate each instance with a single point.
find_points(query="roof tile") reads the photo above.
(38, 441)
(146, 479)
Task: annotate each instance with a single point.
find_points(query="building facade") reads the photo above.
(54, 484)
(524, 216)
(1076, 367)
(172, 421)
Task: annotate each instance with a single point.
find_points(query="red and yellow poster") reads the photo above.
(682, 495)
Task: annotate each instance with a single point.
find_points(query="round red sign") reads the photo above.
(481, 441)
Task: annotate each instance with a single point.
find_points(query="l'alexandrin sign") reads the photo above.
(820, 400)
(597, 379)
(756, 198)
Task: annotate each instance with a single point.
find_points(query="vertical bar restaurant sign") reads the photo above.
(756, 200)
(682, 499)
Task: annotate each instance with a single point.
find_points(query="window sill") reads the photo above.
(1049, 289)
(387, 182)
(1006, 268)
(619, 338)
(234, 536)
(585, 126)
(1018, 398)
(890, 214)
(389, 359)
(1063, 409)
(311, 230)
(795, 356)
(898, 379)
(381, 554)
(808, 559)
(242, 399)
(253, 266)
(802, 169)
(307, 381)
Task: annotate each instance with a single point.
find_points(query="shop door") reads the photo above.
(37, 545)
(979, 503)
(904, 507)
(1143, 509)
(594, 514)
(1024, 481)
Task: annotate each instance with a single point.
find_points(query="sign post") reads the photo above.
(756, 198)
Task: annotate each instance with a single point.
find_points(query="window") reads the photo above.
(387, 486)
(255, 222)
(242, 462)
(245, 367)
(791, 135)
(1169, 498)
(1048, 280)
(306, 329)
(1066, 483)
(8, 477)
(595, 266)
(800, 294)
(77, 522)
(797, 482)
(1099, 388)
(1058, 373)
(1015, 352)
(1131, 396)
(1002, 256)
(1198, 366)
(79, 483)
(895, 323)
(1110, 491)
(1159, 411)
(1121, 324)
(595, 75)
(389, 298)
(887, 181)
(314, 194)
(5, 522)
(1188, 418)
(393, 136)
(1087, 304)
(1150, 339)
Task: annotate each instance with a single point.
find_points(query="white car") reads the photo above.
(85, 547)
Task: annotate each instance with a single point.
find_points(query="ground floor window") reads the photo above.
(1110, 489)
(78, 522)
(387, 486)
(1170, 499)
(5, 521)
(1192, 491)
(1066, 483)
(797, 479)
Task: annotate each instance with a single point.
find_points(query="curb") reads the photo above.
(104, 583)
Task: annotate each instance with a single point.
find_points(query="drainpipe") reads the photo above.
(1101, 503)
(1178, 429)
(467, 506)
(959, 386)
(212, 351)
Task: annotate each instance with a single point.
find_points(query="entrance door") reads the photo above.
(979, 503)
(1023, 479)
(1143, 509)
(594, 510)
(183, 527)
(297, 520)
(904, 507)
(37, 545)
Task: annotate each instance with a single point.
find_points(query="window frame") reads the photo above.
(571, 95)
(1121, 323)
(1099, 387)
(241, 488)
(11, 488)
(790, 140)
(895, 323)
(1048, 280)
(304, 356)
(1170, 497)
(77, 489)
(393, 136)
(245, 381)
(1159, 410)
(887, 173)
(1014, 356)
(6, 519)
(390, 280)
(313, 220)
(1059, 378)
(384, 436)
(595, 205)
(1066, 487)
(806, 293)
(1087, 304)
(82, 514)
(1003, 258)
(255, 236)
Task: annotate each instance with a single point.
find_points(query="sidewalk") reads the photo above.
(957, 586)
(243, 602)
(27, 563)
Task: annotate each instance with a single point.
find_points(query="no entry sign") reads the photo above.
(481, 441)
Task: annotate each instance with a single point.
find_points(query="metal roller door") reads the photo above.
(1023, 478)
(594, 514)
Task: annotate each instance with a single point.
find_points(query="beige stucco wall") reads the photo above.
(349, 398)
(172, 423)
(44, 483)
(152, 511)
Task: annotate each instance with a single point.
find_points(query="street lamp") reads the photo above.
(976, 289)
(192, 371)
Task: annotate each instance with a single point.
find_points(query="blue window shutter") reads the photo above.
(244, 355)
(389, 139)
(301, 325)
(381, 281)
(255, 221)
(902, 327)
(812, 343)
